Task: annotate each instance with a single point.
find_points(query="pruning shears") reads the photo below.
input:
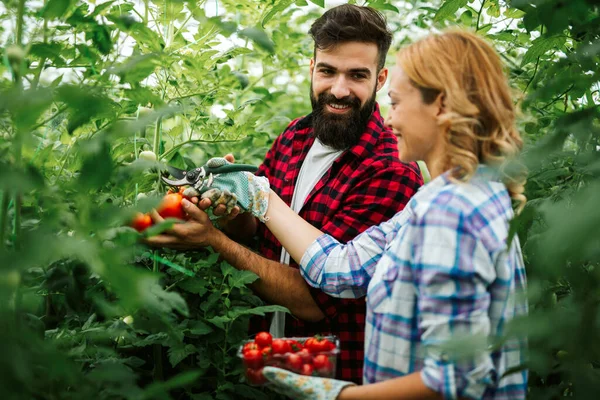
(201, 178)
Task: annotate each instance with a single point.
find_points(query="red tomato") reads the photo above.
(305, 355)
(263, 339)
(250, 346)
(322, 365)
(280, 346)
(295, 345)
(253, 358)
(266, 352)
(141, 222)
(255, 376)
(294, 362)
(170, 207)
(307, 369)
(319, 345)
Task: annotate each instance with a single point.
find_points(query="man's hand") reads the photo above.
(194, 233)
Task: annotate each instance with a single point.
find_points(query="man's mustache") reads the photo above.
(326, 98)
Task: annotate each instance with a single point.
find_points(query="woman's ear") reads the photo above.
(440, 103)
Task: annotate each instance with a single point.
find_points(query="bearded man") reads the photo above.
(338, 168)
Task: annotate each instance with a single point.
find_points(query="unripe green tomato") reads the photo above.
(143, 111)
(128, 320)
(15, 54)
(141, 196)
(148, 155)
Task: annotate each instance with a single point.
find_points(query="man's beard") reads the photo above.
(340, 131)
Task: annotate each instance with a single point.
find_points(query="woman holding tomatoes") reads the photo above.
(444, 268)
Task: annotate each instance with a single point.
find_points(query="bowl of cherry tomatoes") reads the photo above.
(311, 356)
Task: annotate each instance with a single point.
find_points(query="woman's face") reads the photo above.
(414, 123)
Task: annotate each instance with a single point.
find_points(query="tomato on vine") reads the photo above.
(141, 222)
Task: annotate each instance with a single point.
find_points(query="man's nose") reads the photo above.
(340, 87)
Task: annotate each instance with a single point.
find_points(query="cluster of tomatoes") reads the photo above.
(170, 207)
(307, 357)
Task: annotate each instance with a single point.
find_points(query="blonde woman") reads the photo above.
(442, 269)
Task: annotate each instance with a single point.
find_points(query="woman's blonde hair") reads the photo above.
(480, 114)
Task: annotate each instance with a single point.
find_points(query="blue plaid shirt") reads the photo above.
(441, 284)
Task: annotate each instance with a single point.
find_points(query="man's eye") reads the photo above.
(326, 71)
(359, 76)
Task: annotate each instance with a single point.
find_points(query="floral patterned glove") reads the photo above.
(302, 387)
(244, 188)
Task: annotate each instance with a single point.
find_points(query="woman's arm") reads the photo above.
(339, 270)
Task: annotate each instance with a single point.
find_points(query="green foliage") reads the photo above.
(87, 312)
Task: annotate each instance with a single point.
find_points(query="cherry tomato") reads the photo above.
(170, 207)
(255, 376)
(307, 369)
(294, 362)
(280, 346)
(141, 222)
(266, 352)
(250, 346)
(295, 345)
(253, 358)
(322, 365)
(319, 345)
(305, 355)
(263, 339)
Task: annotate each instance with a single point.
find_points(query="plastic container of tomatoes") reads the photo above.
(311, 356)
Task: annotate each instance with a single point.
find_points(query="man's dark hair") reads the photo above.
(351, 23)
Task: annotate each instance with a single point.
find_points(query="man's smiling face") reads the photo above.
(344, 82)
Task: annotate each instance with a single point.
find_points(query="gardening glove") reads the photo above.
(303, 387)
(249, 191)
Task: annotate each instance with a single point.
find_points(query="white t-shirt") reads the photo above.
(317, 162)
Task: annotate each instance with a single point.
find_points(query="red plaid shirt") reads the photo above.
(365, 186)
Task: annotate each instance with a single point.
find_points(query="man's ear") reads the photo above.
(381, 78)
(311, 67)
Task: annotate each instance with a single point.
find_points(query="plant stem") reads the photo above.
(20, 14)
(479, 15)
(3, 216)
(157, 348)
(18, 201)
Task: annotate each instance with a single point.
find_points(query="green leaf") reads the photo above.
(197, 286)
(259, 37)
(449, 8)
(278, 7)
(199, 328)
(540, 46)
(179, 353)
(100, 8)
(56, 9)
(240, 279)
(219, 321)
(320, 3)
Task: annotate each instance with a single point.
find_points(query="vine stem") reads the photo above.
(479, 15)
(4, 216)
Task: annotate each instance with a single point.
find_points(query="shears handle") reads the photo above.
(224, 169)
